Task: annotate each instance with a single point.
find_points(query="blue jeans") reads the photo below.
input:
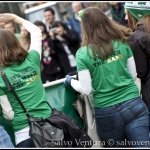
(5, 141)
(124, 124)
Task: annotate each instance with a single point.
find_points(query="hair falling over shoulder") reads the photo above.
(99, 32)
(145, 21)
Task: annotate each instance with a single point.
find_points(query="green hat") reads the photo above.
(138, 9)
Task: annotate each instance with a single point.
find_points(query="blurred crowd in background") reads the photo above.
(61, 36)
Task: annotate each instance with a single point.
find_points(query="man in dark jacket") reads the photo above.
(74, 21)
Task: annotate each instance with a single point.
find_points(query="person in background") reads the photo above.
(49, 15)
(50, 65)
(7, 112)
(106, 71)
(11, 27)
(118, 14)
(66, 43)
(138, 14)
(74, 21)
(24, 39)
(22, 69)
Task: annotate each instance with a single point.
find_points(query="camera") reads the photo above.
(53, 30)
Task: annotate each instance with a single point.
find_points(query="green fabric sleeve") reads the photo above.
(81, 65)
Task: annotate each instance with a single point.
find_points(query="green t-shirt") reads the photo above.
(25, 78)
(111, 81)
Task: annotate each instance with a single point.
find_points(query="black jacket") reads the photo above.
(139, 42)
(52, 66)
(72, 40)
(73, 43)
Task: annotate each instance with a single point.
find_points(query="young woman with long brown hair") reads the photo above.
(23, 71)
(106, 70)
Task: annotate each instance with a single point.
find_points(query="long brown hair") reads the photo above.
(99, 31)
(10, 49)
(132, 22)
(145, 21)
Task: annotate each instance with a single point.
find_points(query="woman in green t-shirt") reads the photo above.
(23, 71)
(106, 70)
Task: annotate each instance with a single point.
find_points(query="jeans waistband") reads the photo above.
(122, 104)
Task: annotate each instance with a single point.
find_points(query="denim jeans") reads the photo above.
(5, 141)
(124, 124)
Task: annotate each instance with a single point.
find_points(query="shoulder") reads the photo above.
(71, 18)
(32, 52)
(120, 44)
(138, 35)
(140, 38)
(33, 56)
(82, 50)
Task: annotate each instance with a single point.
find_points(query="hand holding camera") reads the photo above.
(52, 33)
(57, 33)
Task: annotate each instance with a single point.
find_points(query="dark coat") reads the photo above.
(75, 25)
(139, 42)
(72, 41)
(51, 66)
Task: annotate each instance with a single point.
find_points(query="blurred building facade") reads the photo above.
(64, 7)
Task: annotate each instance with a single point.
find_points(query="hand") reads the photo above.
(60, 38)
(52, 35)
(2, 25)
(6, 17)
(67, 81)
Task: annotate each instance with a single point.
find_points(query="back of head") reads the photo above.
(99, 31)
(76, 6)
(60, 23)
(10, 49)
(40, 23)
(50, 10)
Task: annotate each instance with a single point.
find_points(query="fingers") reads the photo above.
(2, 25)
(6, 17)
(1, 18)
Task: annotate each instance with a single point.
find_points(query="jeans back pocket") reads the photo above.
(105, 123)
